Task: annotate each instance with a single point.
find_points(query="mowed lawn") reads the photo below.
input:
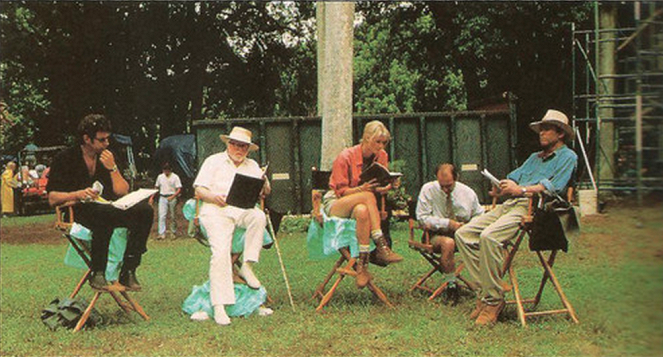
(613, 275)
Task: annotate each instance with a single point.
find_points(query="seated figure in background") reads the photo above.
(444, 205)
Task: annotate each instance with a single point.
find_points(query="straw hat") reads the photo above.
(557, 118)
(241, 135)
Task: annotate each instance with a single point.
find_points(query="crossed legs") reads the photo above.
(220, 225)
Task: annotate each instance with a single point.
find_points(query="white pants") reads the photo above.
(166, 207)
(220, 224)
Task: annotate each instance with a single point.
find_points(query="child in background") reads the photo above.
(169, 186)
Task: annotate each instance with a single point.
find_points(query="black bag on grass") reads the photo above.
(67, 312)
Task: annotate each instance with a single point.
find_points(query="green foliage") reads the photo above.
(294, 224)
(398, 197)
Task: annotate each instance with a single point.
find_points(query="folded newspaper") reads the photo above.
(490, 176)
(129, 200)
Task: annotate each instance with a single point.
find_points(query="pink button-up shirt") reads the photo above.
(347, 168)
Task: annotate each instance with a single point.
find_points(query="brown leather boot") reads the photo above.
(489, 314)
(363, 276)
(383, 255)
(477, 310)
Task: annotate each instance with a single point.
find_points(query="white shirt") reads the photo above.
(168, 185)
(432, 205)
(218, 172)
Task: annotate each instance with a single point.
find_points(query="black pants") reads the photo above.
(102, 219)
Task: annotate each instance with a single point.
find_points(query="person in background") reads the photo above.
(444, 205)
(8, 185)
(169, 186)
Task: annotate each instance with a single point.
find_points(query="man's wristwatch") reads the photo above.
(114, 168)
(524, 191)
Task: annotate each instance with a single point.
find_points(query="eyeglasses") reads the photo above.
(105, 139)
(238, 145)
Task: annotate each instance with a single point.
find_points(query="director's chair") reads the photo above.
(425, 249)
(80, 244)
(510, 251)
(345, 265)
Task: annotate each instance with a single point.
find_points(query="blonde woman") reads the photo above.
(349, 199)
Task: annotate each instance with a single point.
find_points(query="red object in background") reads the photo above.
(39, 187)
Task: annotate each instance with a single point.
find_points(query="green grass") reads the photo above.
(613, 275)
(27, 220)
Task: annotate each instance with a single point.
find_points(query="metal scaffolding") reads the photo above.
(618, 96)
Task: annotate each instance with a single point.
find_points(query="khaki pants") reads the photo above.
(480, 243)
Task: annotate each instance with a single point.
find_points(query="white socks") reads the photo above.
(220, 316)
(247, 273)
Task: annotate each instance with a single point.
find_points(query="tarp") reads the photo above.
(123, 139)
(180, 151)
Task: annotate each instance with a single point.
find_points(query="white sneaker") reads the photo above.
(199, 316)
(264, 311)
(220, 316)
(246, 273)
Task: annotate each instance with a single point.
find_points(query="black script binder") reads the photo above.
(380, 173)
(244, 191)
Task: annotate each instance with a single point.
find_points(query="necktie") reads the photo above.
(450, 208)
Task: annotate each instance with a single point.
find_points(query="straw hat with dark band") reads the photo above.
(241, 135)
(556, 118)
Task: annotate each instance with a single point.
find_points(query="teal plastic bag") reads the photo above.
(118, 244)
(247, 300)
(335, 233)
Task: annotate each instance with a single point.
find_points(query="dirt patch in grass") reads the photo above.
(42, 233)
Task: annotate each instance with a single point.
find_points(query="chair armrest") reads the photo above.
(60, 211)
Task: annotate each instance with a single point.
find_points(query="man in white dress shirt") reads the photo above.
(169, 186)
(444, 205)
(219, 219)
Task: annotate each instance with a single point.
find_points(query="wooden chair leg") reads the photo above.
(519, 299)
(319, 291)
(420, 283)
(558, 288)
(120, 303)
(327, 297)
(544, 279)
(444, 285)
(135, 305)
(87, 312)
(80, 284)
(379, 293)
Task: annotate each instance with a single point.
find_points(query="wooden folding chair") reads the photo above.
(64, 222)
(425, 248)
(510, 251)
(346, 264)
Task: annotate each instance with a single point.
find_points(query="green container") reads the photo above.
(471, 140)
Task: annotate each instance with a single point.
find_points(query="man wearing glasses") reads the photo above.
(73, 180)
(220, 219)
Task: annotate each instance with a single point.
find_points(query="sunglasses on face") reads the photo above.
(239, 145)
(105, 139)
